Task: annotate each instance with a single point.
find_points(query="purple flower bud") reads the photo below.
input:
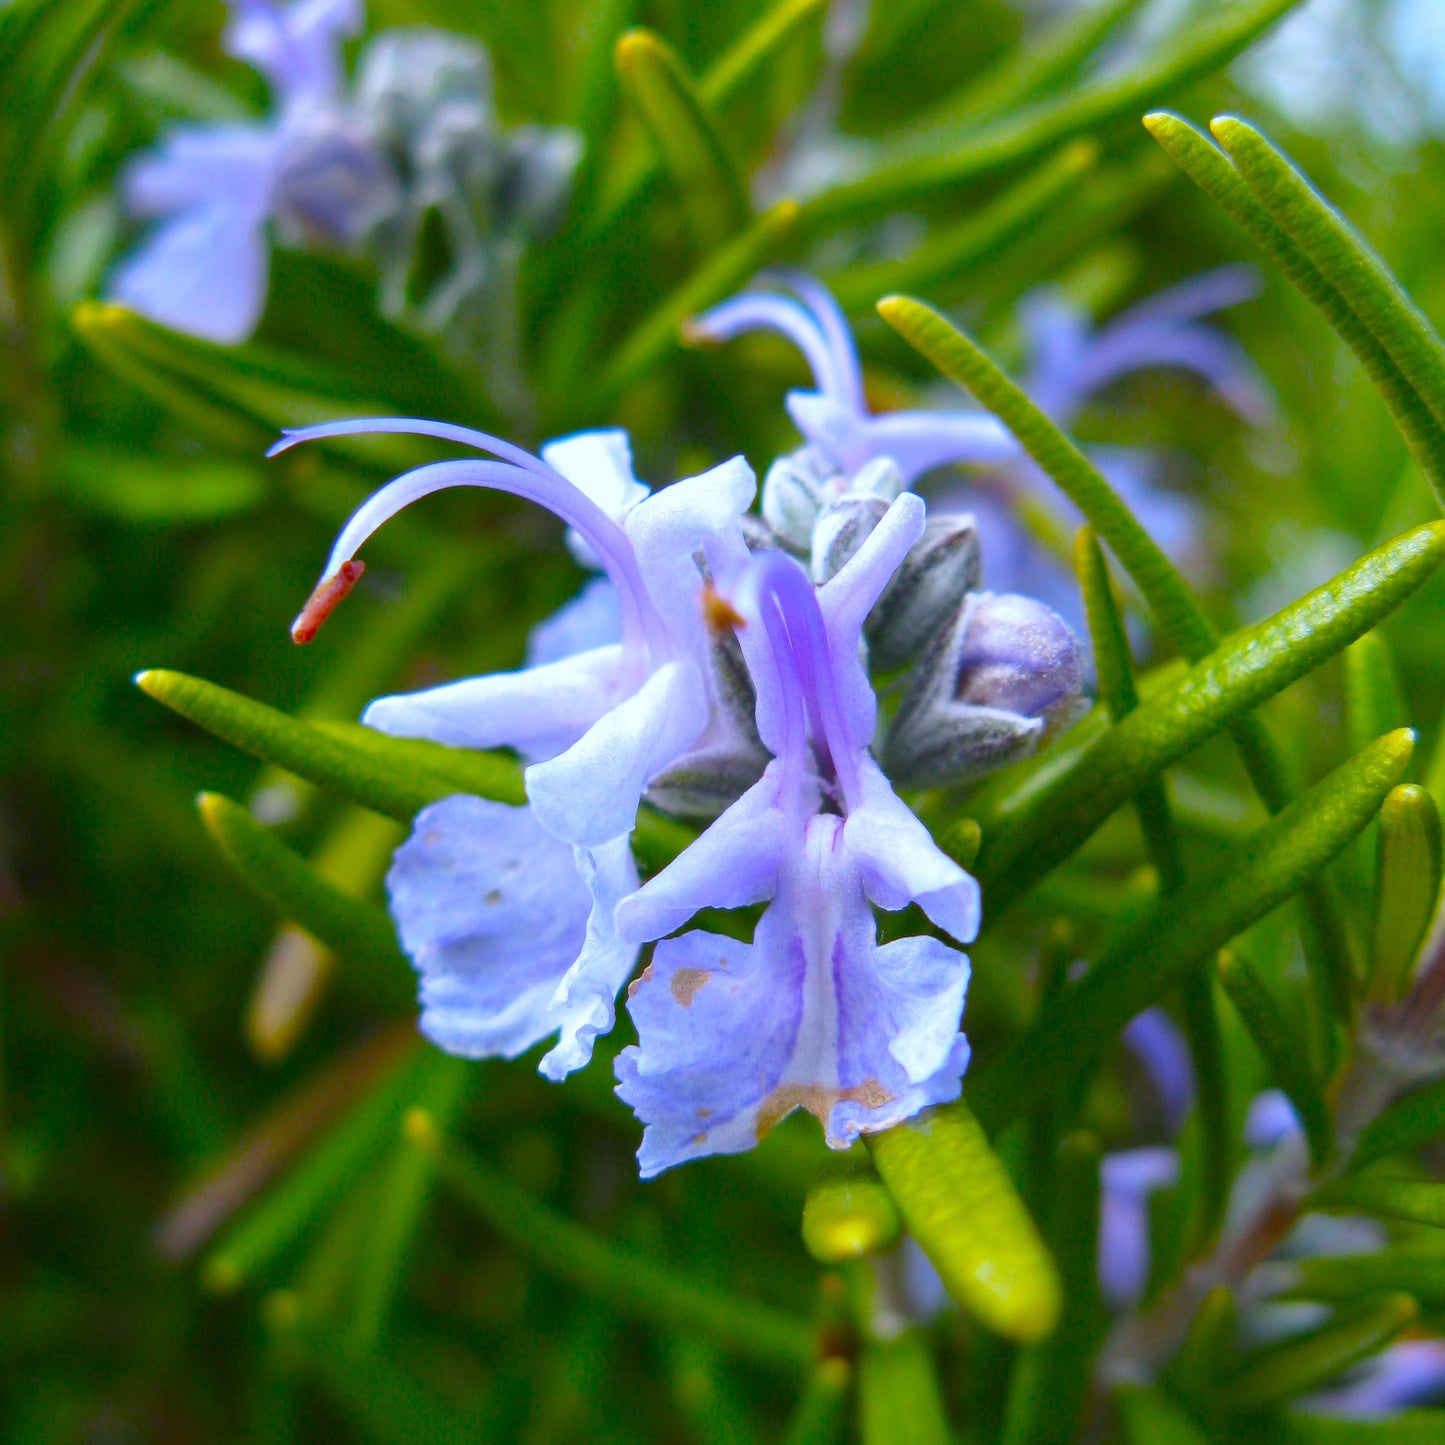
(943, 567)
(334, 184)
(1017, 655)
(996, 680)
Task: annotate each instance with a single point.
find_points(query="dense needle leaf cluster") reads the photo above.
(1193, 1188)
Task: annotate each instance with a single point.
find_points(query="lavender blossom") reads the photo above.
(1069, 366)
(314, 167)
(813, 1013)
(595, 727)
(347, 168)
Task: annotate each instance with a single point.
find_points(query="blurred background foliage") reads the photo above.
(211, 1228)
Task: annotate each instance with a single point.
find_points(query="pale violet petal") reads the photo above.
(900, 863)
(734, 1037)
(203, 274)
(764, 311)
(296, 46)
(1126, 1180)
(848, 598)
(229, 167)
(899, 1010)
(1155, 1040)
(1407, 1375)
(589, 793)
(539, 711)
(670, 528)
(1271, 1120)
(835, 430)
(716, 1021)
(733, 863)
(920, 441)
(585, 1003)
(598, 464)
(492, 912)
(590, 620)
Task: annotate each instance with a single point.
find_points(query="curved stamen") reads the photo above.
(411, 426)
(537, 483)
(848, 374)
(762, 311)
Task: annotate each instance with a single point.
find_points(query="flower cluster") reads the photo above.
(409, 153)
(722, 667)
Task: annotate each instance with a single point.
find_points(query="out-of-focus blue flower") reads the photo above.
(595, 728)
(313, 167)
(417, 137)
(1069, 364)
(842, 435)
(1128, 1178)
(1406, 1375)
(813, 1013)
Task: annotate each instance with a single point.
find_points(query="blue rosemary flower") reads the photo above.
(409, 164)
(595, 727)
(848, 449)
(313, 167)
(812, 1013)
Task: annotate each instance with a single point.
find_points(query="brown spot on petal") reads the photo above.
(817, 1100)
(323, 601)
(704, 1113)
(493, 896)
(699, 1138)
(686, 984)
(644, 977)
(718, 613)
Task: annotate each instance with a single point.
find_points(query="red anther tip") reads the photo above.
(323, 601)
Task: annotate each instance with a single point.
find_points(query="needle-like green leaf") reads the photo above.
(900, 1401)
(322, 1177)
(1284, 1051)
(1214, 173)
(1373, 702)
(1033, 70)
(1415, 1201)
(717, 276)
(1407, 888)
(926, 164)
(951, 252)
(352, 927)
(632, 1282)
(1022, 842)
(1343, 257)
(241, 396)
(694, 154)
(1051, 1379)
(1285, 1371)
(1185, 929)
(959, 1203)
(1413, 1119)
(394, 776)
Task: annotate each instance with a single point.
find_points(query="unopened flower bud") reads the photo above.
(995, 682)
(797, 487)
(943, 567)
(842, 527)
(408, 73)
(335, 184)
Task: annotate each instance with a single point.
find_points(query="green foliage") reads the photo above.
(420, 1248)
